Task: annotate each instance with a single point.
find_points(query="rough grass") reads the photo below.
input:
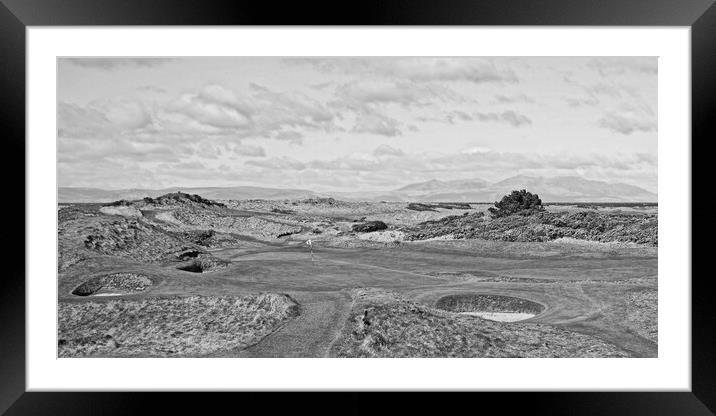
(127, 237)
(639, 311)
(169, 327)
(544, 226)
(222, 222)
(396, 327)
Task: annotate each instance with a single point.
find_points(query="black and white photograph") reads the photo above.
(357, 207)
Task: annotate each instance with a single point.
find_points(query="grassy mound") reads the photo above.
(180, 198)
(166, 327)
(544, 226)
(130, 237)
(383, 324)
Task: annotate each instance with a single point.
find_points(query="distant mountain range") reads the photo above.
(67, 194)
(554, 189)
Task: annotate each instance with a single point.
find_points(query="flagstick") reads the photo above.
(310, 246)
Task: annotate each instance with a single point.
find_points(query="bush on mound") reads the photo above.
(518, 202)
(369, 226)
(181, 198)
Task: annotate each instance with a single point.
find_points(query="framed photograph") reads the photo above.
(466, 197)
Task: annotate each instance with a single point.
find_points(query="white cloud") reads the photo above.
(278, 163)
(290, 136)
(627, 123)
(518, 98)
(509, 117)
(385, 150)
(249, 150)
(611, 66)
(375, 123)
(213, 107)
(109, 64)
(473, 70)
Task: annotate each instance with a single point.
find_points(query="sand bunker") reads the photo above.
(113, 285)
(501, 316)
(204, 264)
(493, 307)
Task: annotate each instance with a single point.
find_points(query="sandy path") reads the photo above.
(311, 333)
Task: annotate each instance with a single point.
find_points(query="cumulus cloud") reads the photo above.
(385, 150)
(510, 117)
(101, 118)
(109, 64)
(152, 89)
(627, 123)
(473, 70)
(369, 102)
(209, 122)
(72, 150)
(519, 98)
(476, 149)
(290, 136)
(610, 66)
(249, 150)
(382, 92)
(603, 89)
(507, 117)
(582, 102)
(260, 113)
(458, 115)
(375, 123)
(278, 163)
(214, 107)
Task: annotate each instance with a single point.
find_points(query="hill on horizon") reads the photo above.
(552, 189)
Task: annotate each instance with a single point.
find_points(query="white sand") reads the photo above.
(501, 316)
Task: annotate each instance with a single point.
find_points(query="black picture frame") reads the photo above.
(16, 15)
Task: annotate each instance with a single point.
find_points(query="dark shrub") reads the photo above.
(369, 226)
(420, 207)
(518, 202)
(120, 203)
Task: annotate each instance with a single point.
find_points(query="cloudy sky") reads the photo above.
(351, 124)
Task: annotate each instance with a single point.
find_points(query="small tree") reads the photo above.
(518, 202)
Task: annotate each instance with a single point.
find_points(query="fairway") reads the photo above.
(584, 288)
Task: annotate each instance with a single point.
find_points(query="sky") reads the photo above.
(353, 124)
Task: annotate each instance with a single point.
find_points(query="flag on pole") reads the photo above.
(310, 245)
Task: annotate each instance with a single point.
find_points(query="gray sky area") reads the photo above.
(352, 124)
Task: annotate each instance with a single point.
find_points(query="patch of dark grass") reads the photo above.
(369, 226)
